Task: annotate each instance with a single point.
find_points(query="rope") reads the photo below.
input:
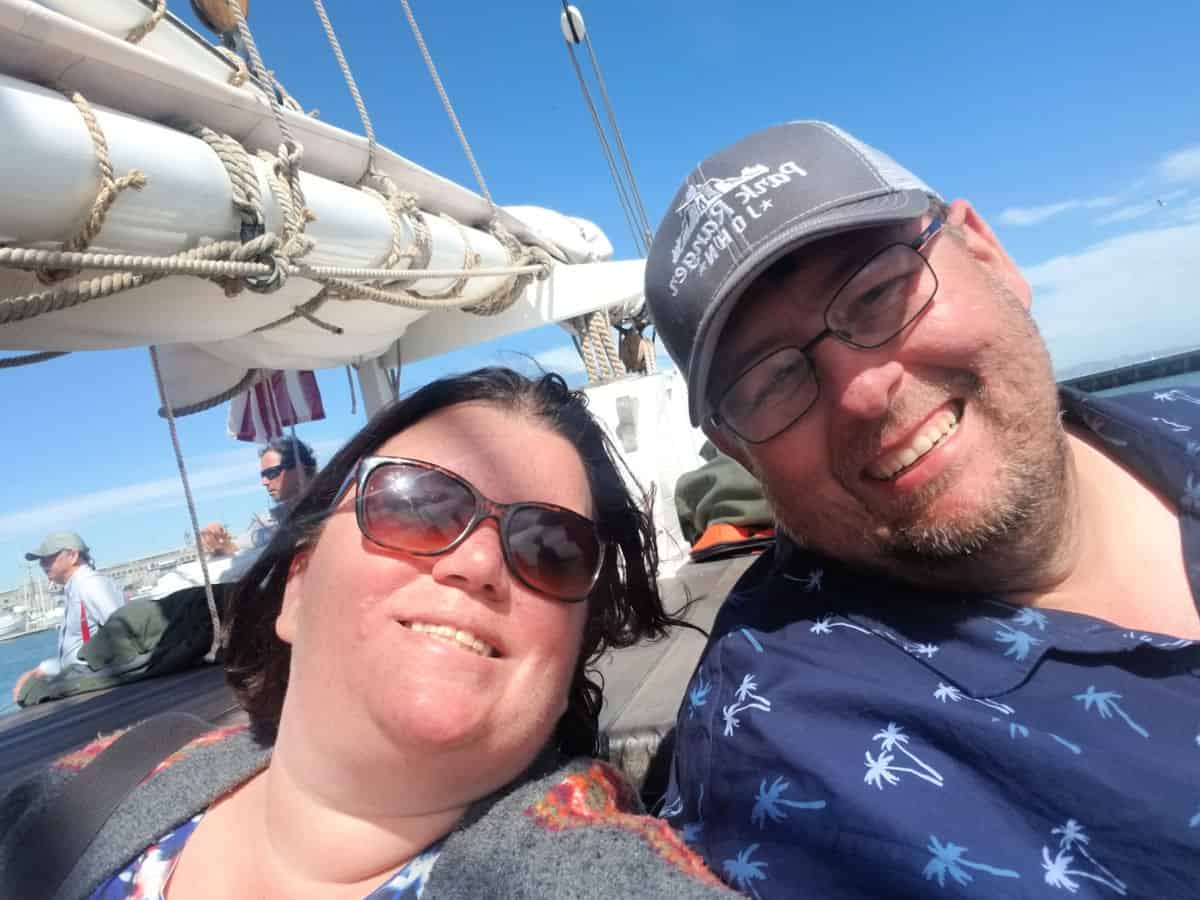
(506, 295)
(305, 311)
(290, 152)
(243, 385)
(28, 359)
(136, 34)
(18, 309)
(470, 261)
(320, 273)
(211, 656)
(614, 173)
(353, 396)
(437, 83)
(258, 70)
(262, 261)
(110, 188)
(336, 46)
(596, 347)
(243, 178)
(240, 74)
(616, 129)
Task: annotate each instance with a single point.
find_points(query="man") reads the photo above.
(286, 466)
(89, 599)
(968, 667)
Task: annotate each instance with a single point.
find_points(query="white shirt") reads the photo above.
(88, 590)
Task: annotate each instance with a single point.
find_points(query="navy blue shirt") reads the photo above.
(844, 736)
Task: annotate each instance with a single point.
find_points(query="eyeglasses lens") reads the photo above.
(553, 550)
(415, 509)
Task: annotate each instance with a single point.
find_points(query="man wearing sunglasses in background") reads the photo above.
(286, 465)
(971, 658)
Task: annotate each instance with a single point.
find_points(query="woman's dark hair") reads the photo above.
(623, 609)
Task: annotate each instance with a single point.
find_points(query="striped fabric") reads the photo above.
(278, 399)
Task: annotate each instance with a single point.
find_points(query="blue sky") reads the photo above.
(1066, 124)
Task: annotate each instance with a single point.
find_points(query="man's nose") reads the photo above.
(863, 382)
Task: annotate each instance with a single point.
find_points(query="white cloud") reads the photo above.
(1138, 210)
(1128, 213)
(215, 476)
(1135, 294)
(1182, 165)
(1022, 216)
(65, 512)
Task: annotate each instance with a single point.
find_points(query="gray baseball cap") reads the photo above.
(56, 542)
(746, 206)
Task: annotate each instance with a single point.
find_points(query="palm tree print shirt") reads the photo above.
(845, 736)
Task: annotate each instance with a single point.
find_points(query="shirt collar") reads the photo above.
(981, 643)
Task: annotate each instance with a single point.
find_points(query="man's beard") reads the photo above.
(1015, 533)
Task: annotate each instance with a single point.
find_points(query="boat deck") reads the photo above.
(643, 688)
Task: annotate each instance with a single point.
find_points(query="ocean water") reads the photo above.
(19, 655)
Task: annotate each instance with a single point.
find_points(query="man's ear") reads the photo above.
(287, 622)
(727, 443)
(985, 248)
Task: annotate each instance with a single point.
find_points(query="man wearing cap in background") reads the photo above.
(89, 599)
(970, 662)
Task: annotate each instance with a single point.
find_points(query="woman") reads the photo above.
(413, 650)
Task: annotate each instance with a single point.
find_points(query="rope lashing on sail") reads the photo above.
(110, 189)
(240, 74)
(137, 33)
(262, 261)
(207, 260)
(290, 150)
(537, 265)
(211, 656)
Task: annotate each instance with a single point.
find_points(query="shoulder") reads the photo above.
(580, 831)
(179, 786)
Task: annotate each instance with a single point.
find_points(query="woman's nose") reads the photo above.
(476, 565)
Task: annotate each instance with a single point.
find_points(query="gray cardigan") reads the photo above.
(561, 831)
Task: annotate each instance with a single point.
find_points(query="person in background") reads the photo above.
(286, 465)
(89, 598)
(415, 650)
(969, 666)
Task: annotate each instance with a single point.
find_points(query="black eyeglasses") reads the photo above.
(272, 472)
(882, 298)
(420, 508)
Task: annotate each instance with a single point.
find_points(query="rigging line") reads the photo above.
(336, 46)
(618, 184)
(259, 71)
(211, 656)
(616, 129)
(441, 89)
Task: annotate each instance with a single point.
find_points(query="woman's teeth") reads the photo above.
(455, 636)
(893, 463)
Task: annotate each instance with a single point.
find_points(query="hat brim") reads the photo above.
(889, 209)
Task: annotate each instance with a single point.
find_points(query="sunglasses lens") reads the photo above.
(554, 551)
(415, 509)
